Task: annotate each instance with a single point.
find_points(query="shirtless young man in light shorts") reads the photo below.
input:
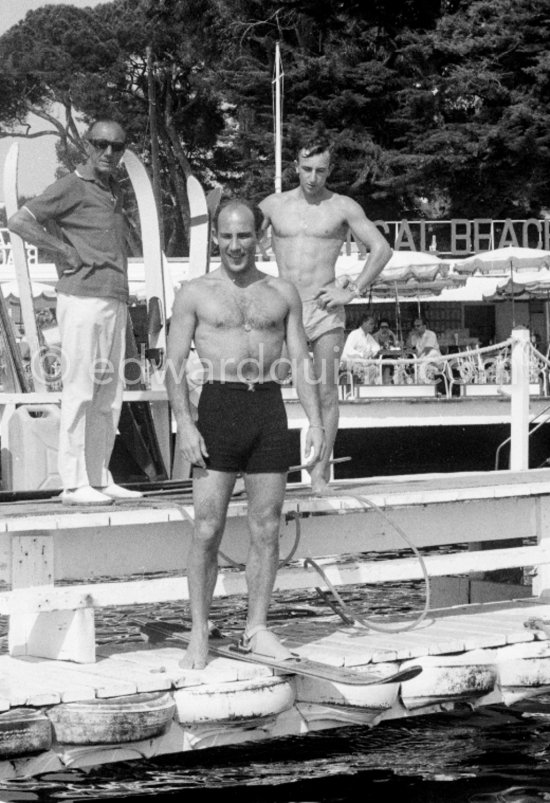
(309, 224)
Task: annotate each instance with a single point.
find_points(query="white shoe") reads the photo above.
(85, 495)
(118, 492)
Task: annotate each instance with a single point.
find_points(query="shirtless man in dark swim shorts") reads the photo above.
(309, 224)
(239, 319)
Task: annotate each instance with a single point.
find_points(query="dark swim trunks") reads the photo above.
(244, 430)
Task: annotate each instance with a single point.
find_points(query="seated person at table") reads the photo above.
(384, 335)
(387, 340)
(423, 341)
(360, 345)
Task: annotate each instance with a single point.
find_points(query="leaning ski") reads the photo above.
(155, 285)
(212, 202)
(230, 648)
(199, 229)
(19, 255)
(159, 292)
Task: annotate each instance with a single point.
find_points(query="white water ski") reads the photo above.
(296, 665)
(19, 254)
(212, 202)
(156, 289)
(199, 245)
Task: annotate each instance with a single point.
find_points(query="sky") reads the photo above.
(37, 160)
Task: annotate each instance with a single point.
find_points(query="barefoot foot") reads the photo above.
(321, 488)
(263, 642)
(196, 653)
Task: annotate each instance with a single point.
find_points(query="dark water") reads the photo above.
(497, 754)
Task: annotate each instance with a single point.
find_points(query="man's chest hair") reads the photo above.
(259, 307)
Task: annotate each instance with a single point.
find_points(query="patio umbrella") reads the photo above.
(406, 273)
(402, 264)
(501, 260)
(414, 289)
(41, 292)
(533, 287)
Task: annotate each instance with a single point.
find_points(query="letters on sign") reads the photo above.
(461, 237)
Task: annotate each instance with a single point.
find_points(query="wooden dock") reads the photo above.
(59, 564)
(478, 656)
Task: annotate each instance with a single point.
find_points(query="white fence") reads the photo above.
(474, 372)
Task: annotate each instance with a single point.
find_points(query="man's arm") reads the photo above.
(182, 330)
(265, 206)
(430, 343)
(379, 253)
(303, 374)
(29, 229)
(378, 247)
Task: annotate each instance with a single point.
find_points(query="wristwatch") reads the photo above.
(357, 293)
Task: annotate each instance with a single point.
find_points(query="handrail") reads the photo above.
(428, 369)
(531, 432)
(544, 360)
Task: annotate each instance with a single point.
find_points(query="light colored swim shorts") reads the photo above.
(318, 321)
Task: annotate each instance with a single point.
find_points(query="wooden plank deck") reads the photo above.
(441, 632)
(118, 672)
(420, 489)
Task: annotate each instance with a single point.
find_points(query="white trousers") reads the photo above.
(93, 343)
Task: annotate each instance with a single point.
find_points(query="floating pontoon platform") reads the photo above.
(87, 704)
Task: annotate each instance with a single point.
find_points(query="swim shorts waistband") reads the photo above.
(254, 386)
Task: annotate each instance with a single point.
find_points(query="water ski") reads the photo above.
(213, 199)
(159, 291)
(230, 648)
(33, 335)
(199, 223)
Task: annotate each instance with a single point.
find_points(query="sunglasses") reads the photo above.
(103, 144)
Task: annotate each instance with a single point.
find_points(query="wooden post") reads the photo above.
(64, 635)
(519, 401)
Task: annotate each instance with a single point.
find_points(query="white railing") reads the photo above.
(475, 371)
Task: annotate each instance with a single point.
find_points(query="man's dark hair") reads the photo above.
(252, 207)
(384, 320)
(314, 144)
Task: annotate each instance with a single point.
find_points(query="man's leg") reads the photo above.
(76, 325)
(327, 350)
(211, 494)
(265, 501)
(104, 413)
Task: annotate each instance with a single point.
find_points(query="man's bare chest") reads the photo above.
(309, 221)
(244, 309)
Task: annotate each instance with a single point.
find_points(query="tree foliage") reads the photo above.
(93, 63)
(436, 108)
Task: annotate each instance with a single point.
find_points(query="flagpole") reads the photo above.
(279, 74)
